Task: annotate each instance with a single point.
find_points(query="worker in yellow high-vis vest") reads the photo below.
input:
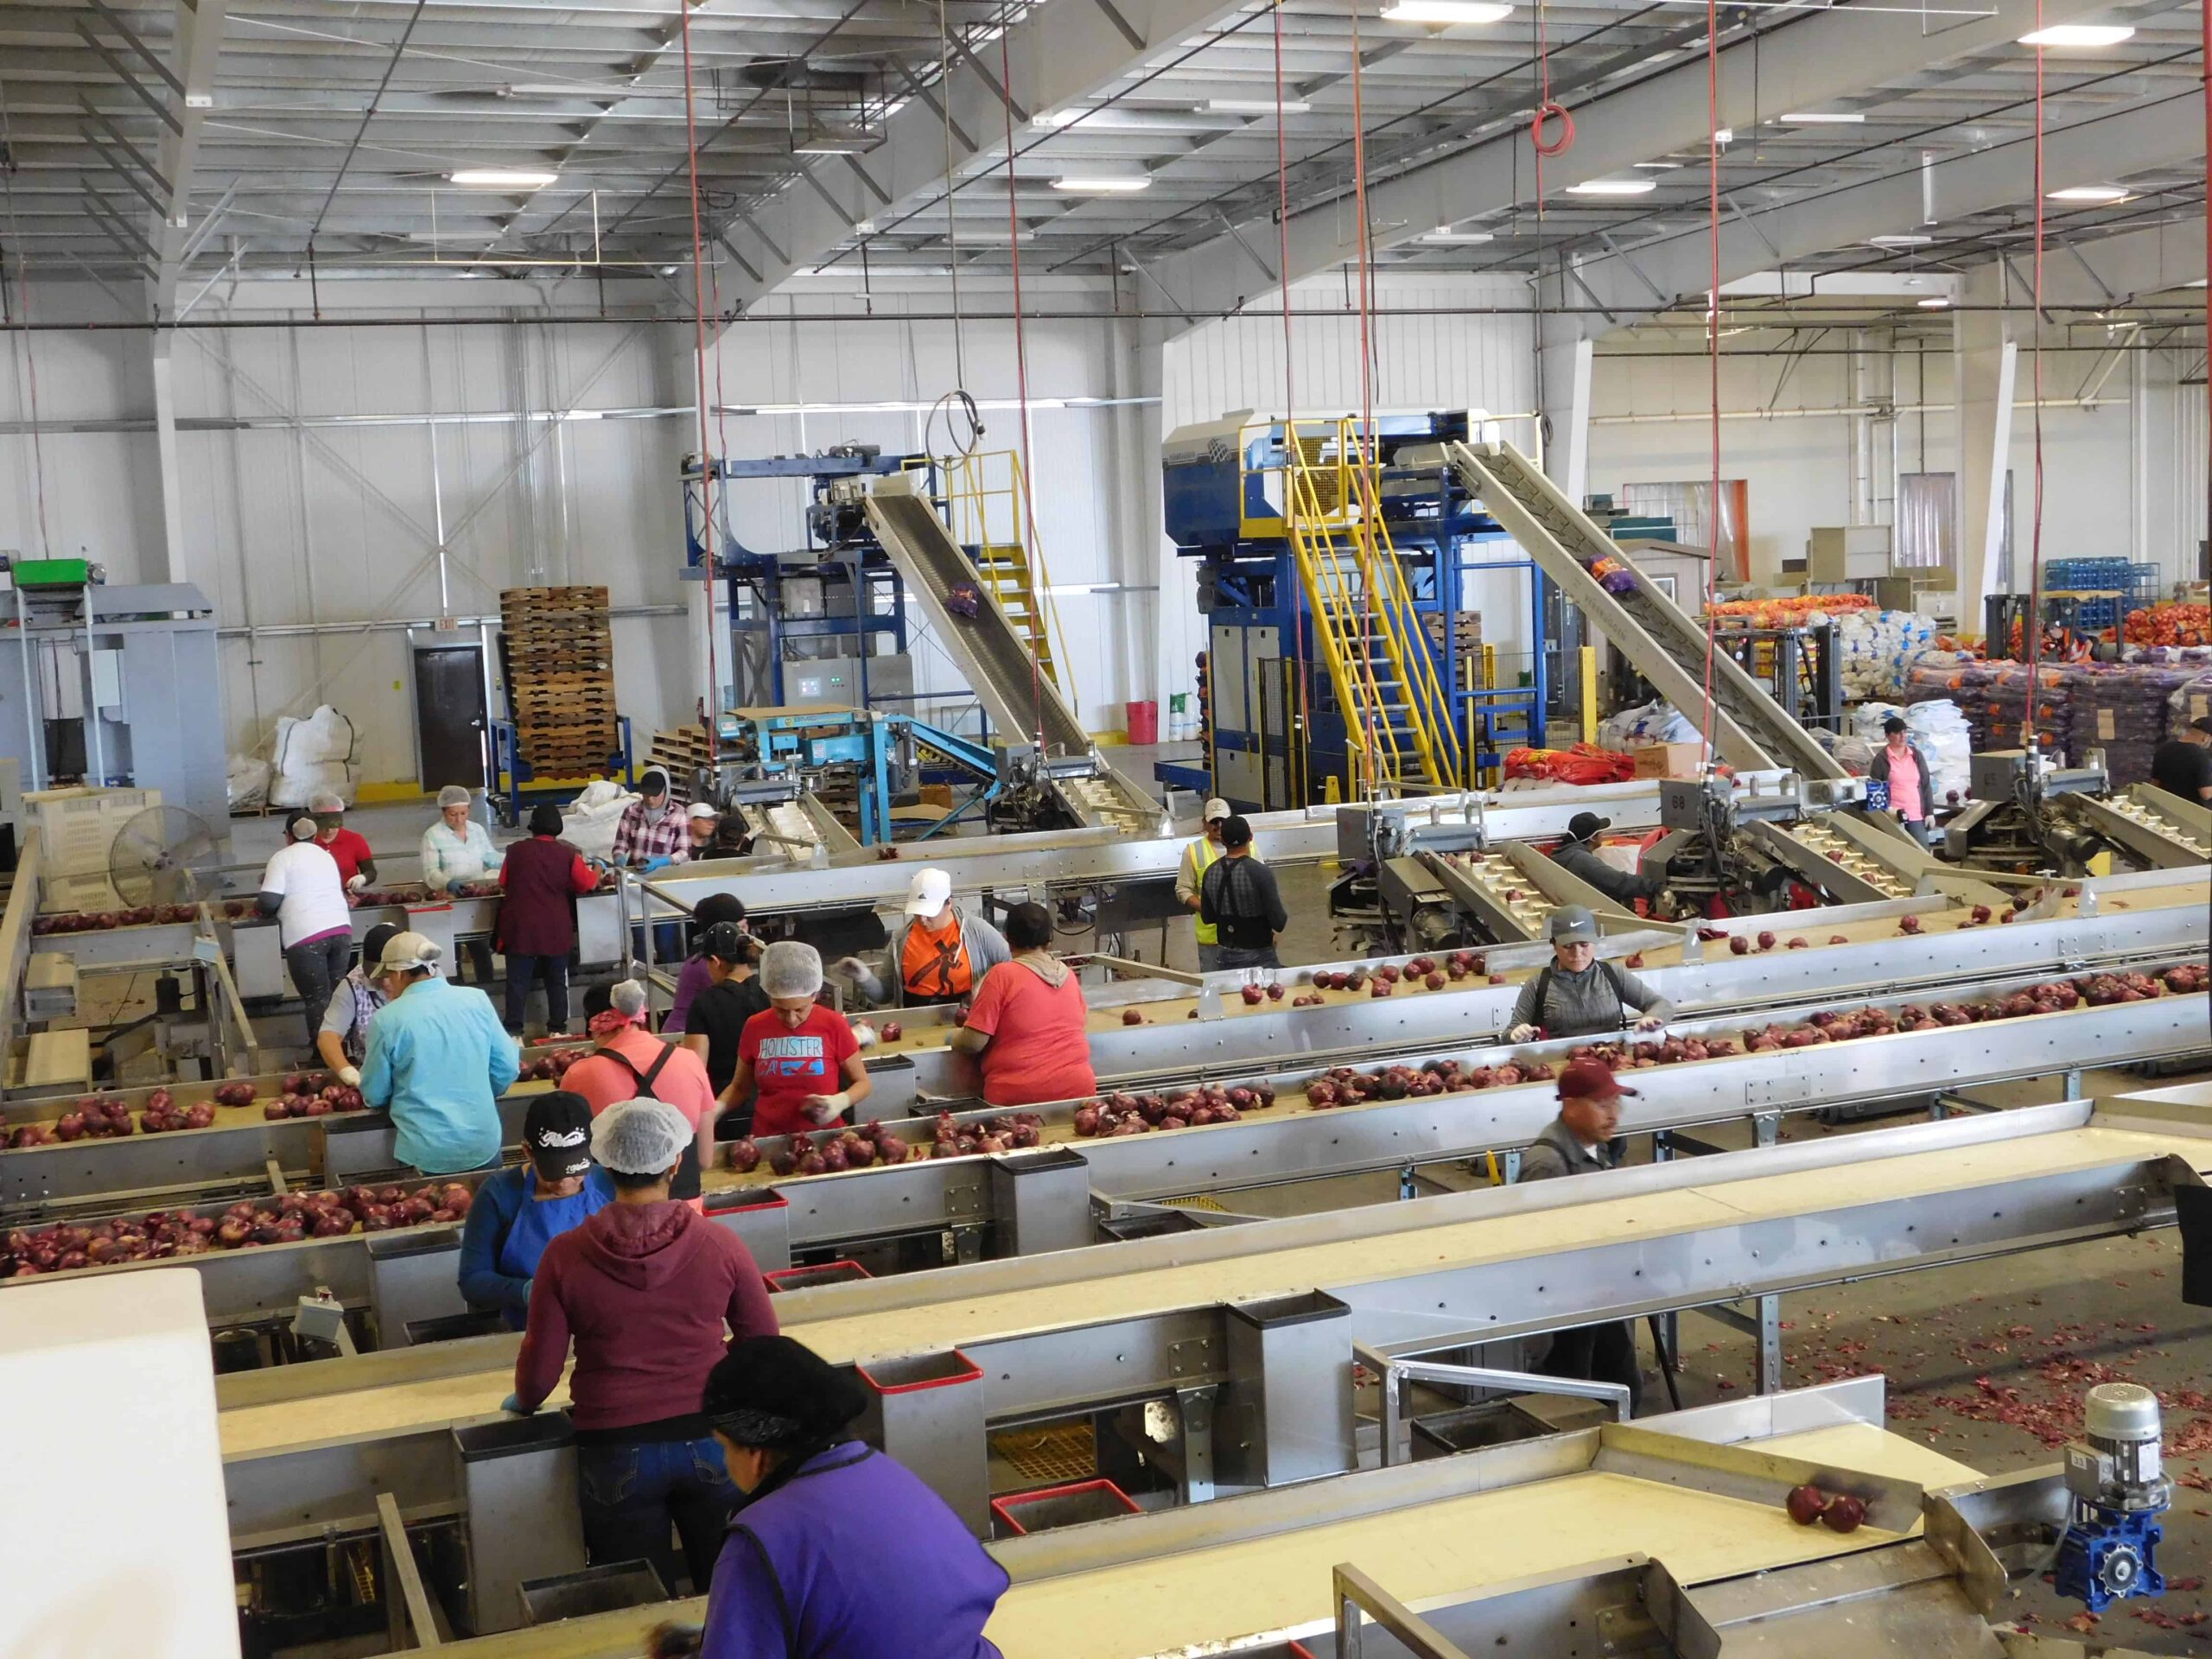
(1196, 857)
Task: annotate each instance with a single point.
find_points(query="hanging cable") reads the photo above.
(1020, 352)
(951, 221)
(1547, 112)
(699, 327)
(1713, 338)
(1299, 770)
(23, 311)
(2030, 738)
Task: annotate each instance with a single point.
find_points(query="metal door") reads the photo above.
(449, 715)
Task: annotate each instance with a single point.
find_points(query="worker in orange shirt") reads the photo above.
(941, 954)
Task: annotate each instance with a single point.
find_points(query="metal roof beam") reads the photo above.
(1057, 54)
(123, 73)
(1678, 267)
(197, 41)
(1811, 62)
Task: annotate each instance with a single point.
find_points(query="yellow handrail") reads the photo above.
(1332, 507)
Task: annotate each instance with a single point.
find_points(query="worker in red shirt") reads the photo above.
(645, 1288)
(1029, 1029)
(356, 865)
(792, 1058)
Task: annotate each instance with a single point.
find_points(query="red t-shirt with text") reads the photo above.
(351, 849)
(788, 1065)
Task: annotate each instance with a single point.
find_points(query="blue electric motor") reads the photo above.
(2117, 1491)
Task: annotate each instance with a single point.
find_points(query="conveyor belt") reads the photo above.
(2162, 830)
(1664, 643)
(1827, 1205)
(1020, 697)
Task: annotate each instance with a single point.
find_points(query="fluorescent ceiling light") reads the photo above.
(1444, 235)
(1112, 184)
(1252, 106)
(2100, 193)
(1659, 167)
(1724, 135)
(1903, 240)
(1822, 119)
(1446, 11)
(565, 89)
(1936, 302)
(2079, 34)
(829, 142)
(1611, 187)
(501, 178)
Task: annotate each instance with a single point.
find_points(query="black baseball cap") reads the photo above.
(556, 1134)
(728, 942)
(2203, 723)
(1583, 825)
(1236, 831)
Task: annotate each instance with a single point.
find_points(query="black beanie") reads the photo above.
(778, 1395)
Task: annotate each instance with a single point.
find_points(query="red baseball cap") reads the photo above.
(1590, 1080)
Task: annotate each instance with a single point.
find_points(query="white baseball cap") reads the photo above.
(1216, 810)
(928, 894)
(703, 810)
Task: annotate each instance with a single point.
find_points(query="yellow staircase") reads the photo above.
(985, 503)
(1397, 719)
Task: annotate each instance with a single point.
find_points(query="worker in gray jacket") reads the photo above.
(940, 956)
(1578, 996)
(1576, 1142)
(1578, 856)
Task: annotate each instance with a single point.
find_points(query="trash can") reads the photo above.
(1143, 721)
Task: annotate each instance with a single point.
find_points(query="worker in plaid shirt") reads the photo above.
(653, 832)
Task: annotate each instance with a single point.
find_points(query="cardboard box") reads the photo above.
(58, 893)
(77, 827)
(1668, 759)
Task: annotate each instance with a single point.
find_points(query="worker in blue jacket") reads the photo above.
(524, 1208)
(837, 1552)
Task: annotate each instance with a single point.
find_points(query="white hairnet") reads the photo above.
(303, 828)
(791, 968)
(325, 800)
(452, 795)
(627, 996)
(639, 1137)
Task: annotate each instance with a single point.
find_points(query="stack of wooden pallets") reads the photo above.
(559, 647)
(685, 752)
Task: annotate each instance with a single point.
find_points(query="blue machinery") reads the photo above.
(1276, 738)
(796, 745)
(833, 601)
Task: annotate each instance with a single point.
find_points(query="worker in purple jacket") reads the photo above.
(837, 1552)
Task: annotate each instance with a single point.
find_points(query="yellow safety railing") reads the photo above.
(985, 502)
(1357, 592)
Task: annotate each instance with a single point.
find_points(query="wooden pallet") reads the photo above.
(520, 600)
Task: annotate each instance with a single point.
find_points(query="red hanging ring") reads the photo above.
(1550, 111)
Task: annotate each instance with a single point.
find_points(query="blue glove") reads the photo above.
(659, 862)
(455, 887)
(512, 1407)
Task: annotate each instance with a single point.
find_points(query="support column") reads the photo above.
(1142, 556)
(1563, 361)
(172, 477)
(1988, 356)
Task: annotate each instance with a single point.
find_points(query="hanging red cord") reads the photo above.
(1547, 110)
(1021, 370)
(1289, 386)
(2034, 625)
(699, 325)
(1365, 254)
(1712, 335)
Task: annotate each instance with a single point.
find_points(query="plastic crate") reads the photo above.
(1072, 1505)
(825, 1272)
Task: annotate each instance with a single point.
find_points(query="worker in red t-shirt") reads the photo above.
(356, 865)
(1029, 1026)
(793, 1056)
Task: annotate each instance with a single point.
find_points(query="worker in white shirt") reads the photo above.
(1192, 875)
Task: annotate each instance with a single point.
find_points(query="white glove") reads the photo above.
(826, 1109)
(1649, 1022)
(1522, 1034)
(356, 882)
(350, 1075)
(852, 966)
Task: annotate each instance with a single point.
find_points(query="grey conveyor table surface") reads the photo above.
(930, 1316)
(1181, 1600)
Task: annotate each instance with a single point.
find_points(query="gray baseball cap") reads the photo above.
(1571, 924)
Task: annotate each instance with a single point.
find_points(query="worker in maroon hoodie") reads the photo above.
(652, 1293)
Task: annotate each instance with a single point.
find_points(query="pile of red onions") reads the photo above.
(827, 1153)
(94, 921)
(309, 1100)
(548, 1067)
(1009, 1132)
(164, 1234)
(162, 1114)
(1187, 1108)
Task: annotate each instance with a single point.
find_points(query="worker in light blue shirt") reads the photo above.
(438, 1061)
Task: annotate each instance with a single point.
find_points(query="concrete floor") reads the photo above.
(1987, 1363)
